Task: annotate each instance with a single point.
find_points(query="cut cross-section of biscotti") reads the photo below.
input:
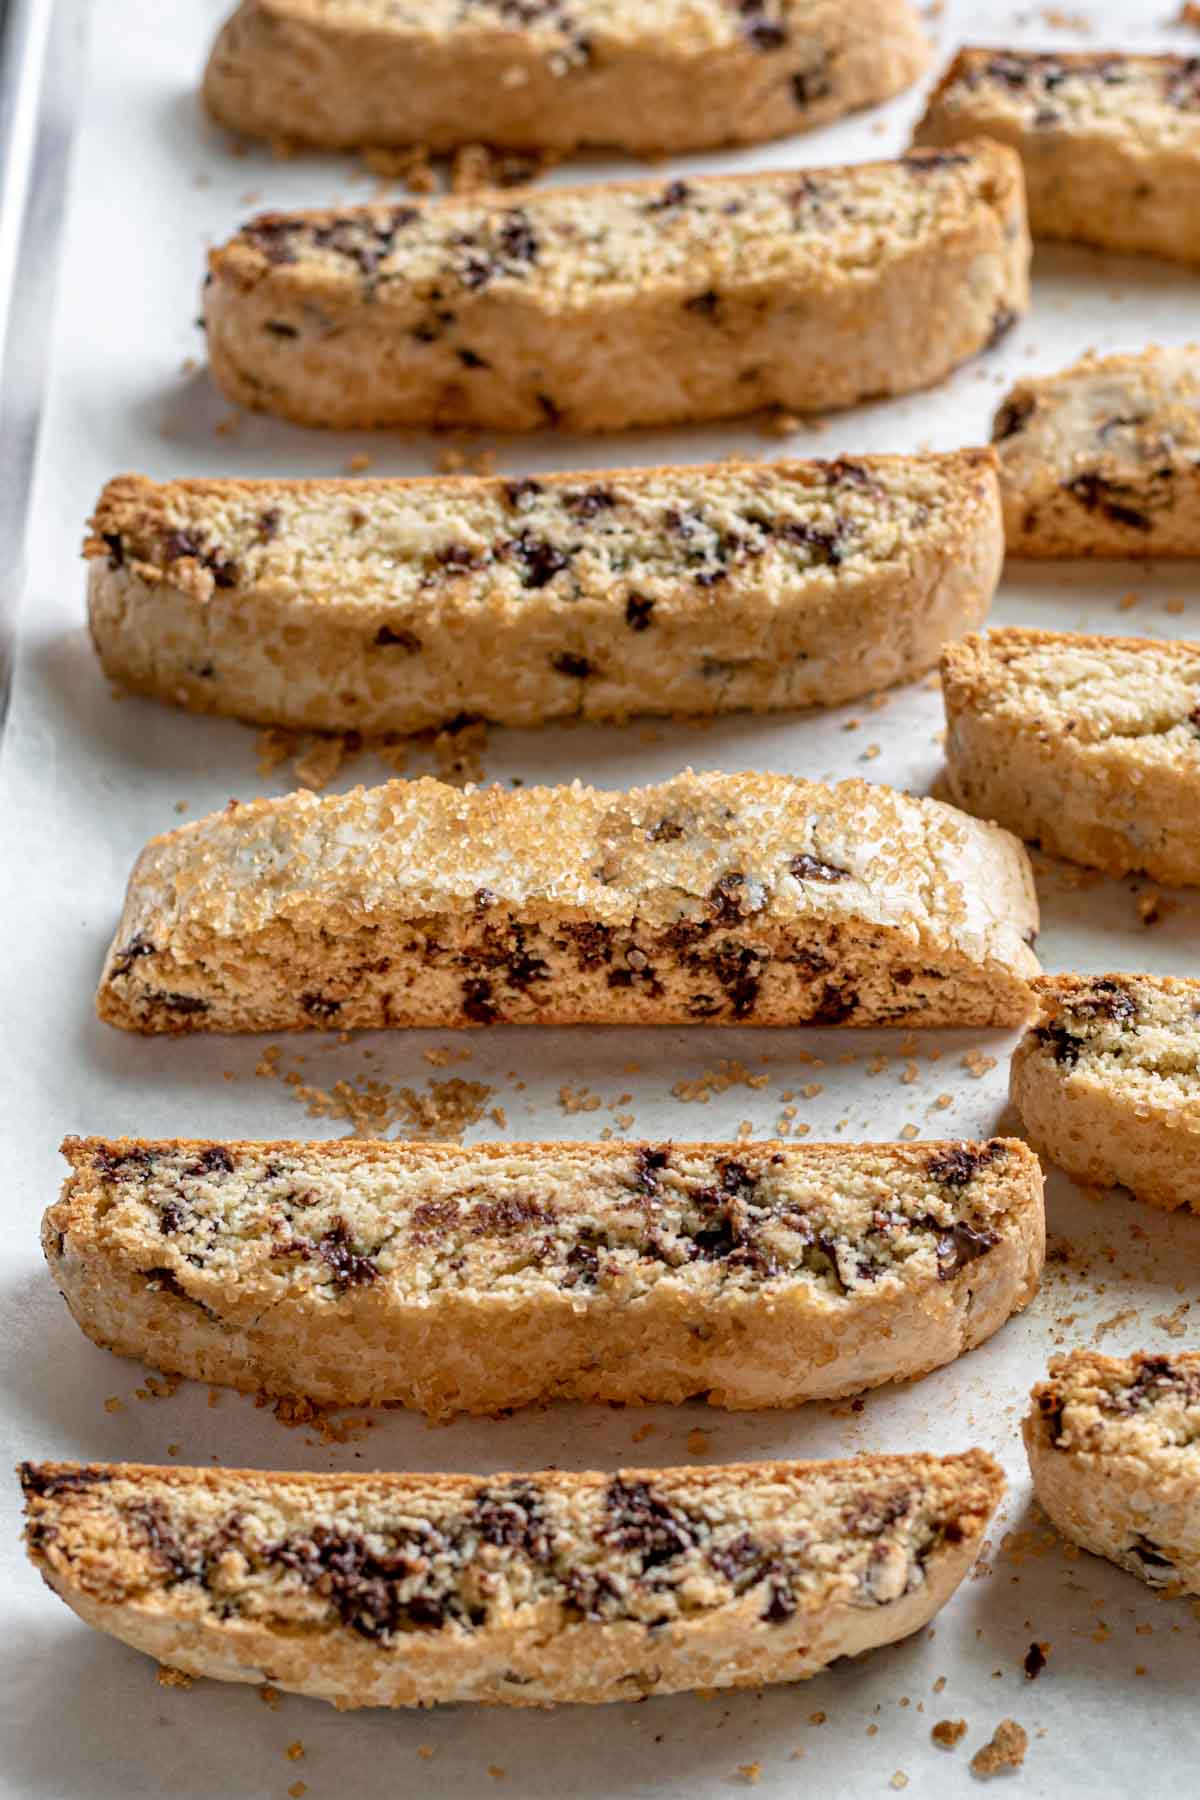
(1104, 458)
(641, 75)
(1114, 1449)
(760, 899)
(398, 605)
(1088, 746)
(404, 1590)
(630, 303)
(473, 1280)
(1110, 143)
(1107, 1083)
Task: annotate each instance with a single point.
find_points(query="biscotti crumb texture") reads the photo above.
(624, 304)
(1086, 745)
(473, 1280)
(1107, 1083)
(1110, 143)
(1114, 1449)
(524, 1590)
(762, 899)
(1103, 459)
(640, 75)
(396, 606)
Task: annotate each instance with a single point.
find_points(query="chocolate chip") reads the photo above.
(1013, 416)
(1035, 1662)
(41, 1483)
(213, 1160)
(925, 162)
(478, 1004)
(318, 1006)
(540, 561)
(705, 304)
(268, 524)
(644, 1524)
(116, 548)
(676, 193)
(484, 899)
(521, 494)
(470, 360)
(349, 1269)
(961, 1245)
(588, 502)
(812, 84)
(514, 1518)
(735, 1559)
(280, 328)
(458, 556)
(1063, 1045)
(667, 831)
(955, 1168)
(567, 663)
(761, 34)
(1096, 493)
(824, 547)
(139, 945)
(811, 868)
(1003, 321)
(518, 240)
(648, 1166)
(637, 612)
(388, 637)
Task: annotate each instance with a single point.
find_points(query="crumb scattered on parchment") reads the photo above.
(1113, 1323)
(317, 758)
(578, 1100)
(114, 1404)
(458, 752)
(269, 1697)
(1067, 21)
(297, 1413)
(1006, 1750)
(295, 1752)
(166, 1676)
(751, 1772)
(455, 459)
(949, 1732)
(1172, 1322)
(977, 1064)
(472, 167)
(728, 1073)
(697, 1442)
(496, 1772)
(370, 1106)
(425, 1752)
(298, 1790)
(641, 1434)
(899, 1779)
(1151, 908)
(1035, 1660)
(159, 1387)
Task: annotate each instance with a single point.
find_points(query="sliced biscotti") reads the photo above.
(398, 605)
(404, 1590)
(762, 899)
(640, 75)
(1110, 143)
(1089, 746)
(474, 1280)
(1107, 1083)
(1114, 1449)
(632, 303)
(1104, 458)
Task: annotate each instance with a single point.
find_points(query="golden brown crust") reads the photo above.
(1085, 744)
(1107, 1083)
(1112, 1446)
(624, 303)
(401, 1590)
(385, 606)
(479, 1279)
(759, 898)
(672, 76)
(1110, 143)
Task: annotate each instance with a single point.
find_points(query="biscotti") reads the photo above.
(1114, 1449)
(404, 1590)
(396, 606)
(474, 1280)
(1088, 746)
(1110, 143)
(1107, 1083)
(634, 303)
(760, 899)
(643, 75)
(1104, 458)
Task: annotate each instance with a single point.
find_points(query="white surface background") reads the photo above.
(86, 780)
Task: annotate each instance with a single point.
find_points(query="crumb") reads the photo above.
(295, 1752)
(228, 426)
(870, 753)
(939, 1686)
(751, 1772)
(817, 1718)
(496, 1772)
(319, 764)
(1006, 1750)
(458, 753)
(1153, 907)
(899, 1779)
(872, 1731)
(910, 1131)
(1035, 1660)
(780, 424)
(697, 1442)
(949, 1732)
(943, 1101)
(641, 1434)
(166, 1676)
(977, 1064)
(577, 1100)
(298, 1790)
(425, 1752)
(181, 806)
(113, 1404)
(269, 1697)
(1067, 21)
(1172, 1323)
(728, 1073)
(1114, 1322)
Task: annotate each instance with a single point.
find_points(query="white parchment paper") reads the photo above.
(87, 779)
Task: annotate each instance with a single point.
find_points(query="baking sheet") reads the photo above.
(86, 779)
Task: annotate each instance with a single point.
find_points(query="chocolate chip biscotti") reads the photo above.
(405, 1590)
(1114, 1449)
(1104, 458)
(1107, 1083)
(630, 303)
(762, 899)
(640, 75)
(1089, 746)
(474, 1280)
(1110, 143)
(399, 605)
